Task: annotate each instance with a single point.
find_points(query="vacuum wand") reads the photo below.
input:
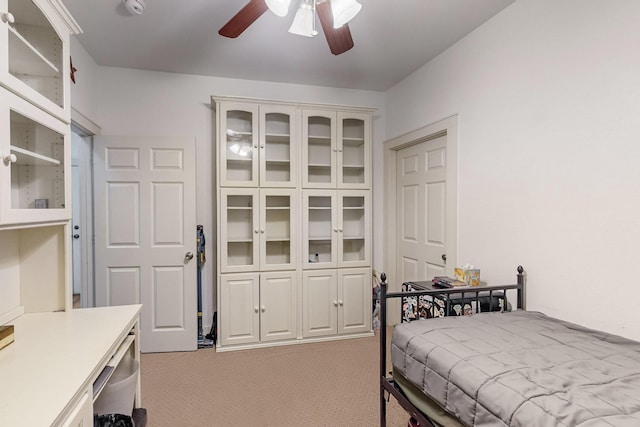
(200, 242)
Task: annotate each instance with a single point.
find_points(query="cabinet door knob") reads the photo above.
(10, 158)
(264, 308)
(262, 231)
(261, 145)
(340, 302)
(255, 231)
(340, 230)
(256, 309)
(8, 18)
(335, 303)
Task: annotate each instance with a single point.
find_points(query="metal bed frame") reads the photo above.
(387, 383)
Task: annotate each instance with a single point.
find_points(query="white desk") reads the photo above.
(47, 373)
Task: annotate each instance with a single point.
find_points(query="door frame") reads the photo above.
(447, 127)
(87, 129)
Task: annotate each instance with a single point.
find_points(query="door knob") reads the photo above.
(76, 236)
(188, 256)
(444, 257)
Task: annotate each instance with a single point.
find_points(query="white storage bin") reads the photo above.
(118, 394)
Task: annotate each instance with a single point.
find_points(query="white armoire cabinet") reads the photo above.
(256, 145)
(294, 222)
(259, 232)
(57, 365)
(264, 307)
(336, 302)
(35, 186)
(35, 164)
(336, 150)
(336, 229)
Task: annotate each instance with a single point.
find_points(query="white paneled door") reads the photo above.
(421, 214)
(145, 235)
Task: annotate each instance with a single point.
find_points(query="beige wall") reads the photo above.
(548, 98)
(133, 102)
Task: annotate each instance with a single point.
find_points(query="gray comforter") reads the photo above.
(521, 369)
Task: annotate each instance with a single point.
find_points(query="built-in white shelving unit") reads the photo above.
(294, 215)
(57, 364)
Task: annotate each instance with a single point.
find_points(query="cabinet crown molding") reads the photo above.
(316, 106)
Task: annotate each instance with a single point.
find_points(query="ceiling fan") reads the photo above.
(333, 16)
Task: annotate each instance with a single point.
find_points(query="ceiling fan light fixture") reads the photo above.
(278, 7)
(344, 11)
(304, 21)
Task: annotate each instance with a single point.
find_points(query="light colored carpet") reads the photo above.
(317, 384)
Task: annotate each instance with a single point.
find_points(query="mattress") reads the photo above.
(521, 369)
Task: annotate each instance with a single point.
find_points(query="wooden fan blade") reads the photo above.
(245, 17)
(339, 39)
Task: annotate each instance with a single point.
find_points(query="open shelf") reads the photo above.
(239, 240)
(353, 142)
(278, 138)
(26, 59)
(26, 157)
(286, 163)
(239, 160)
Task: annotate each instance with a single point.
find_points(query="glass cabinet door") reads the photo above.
(278, 164)
(319, 149)
(34, 164)
(33, 59)
(353, 150)
(239, 230)
(239, 145)
(320, 229)
(353, 229)
(277, 230)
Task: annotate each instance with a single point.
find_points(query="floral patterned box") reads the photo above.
(470, 276)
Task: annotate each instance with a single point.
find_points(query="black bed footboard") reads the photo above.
(387, 383)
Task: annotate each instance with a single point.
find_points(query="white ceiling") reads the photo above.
(392, 39)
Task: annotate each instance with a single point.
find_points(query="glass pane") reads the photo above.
(353, 224)
(278, 147)
(319, 149)
(353, 151)
(320, 232)
(239, 142)
(37, 175)
(35, 51)
(240, 230)
(278, 230)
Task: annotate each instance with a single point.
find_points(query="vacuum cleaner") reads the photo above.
(209, 340)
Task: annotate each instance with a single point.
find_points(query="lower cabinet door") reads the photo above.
(319, 303)
(354, 300)
(239, 306)
(82, 413)
(278, 300)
